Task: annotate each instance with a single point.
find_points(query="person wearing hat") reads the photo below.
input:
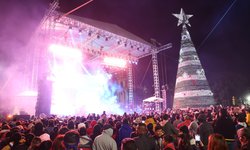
(105, 140)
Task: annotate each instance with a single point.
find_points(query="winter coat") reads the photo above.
(124, 132)
(105, 141)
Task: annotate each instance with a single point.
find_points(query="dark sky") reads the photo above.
(220, 31)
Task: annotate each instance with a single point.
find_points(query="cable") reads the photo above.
(64, 15)
(145, 72)
(217, 24)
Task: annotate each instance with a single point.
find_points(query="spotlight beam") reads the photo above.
(84, 4)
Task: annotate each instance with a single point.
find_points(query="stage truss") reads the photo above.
(96, 40)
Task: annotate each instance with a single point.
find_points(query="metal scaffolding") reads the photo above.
(130, 87)
(156, 78)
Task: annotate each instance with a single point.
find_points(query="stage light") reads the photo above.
(248, 97)
(9, 117)
(116, 62)
(28, 93)
(65, 52)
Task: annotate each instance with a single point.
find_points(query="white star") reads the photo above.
(183, 18)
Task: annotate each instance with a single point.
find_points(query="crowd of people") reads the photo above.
(213, 128)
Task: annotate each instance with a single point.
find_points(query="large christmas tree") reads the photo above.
(191, 88)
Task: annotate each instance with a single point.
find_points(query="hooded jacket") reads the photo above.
(124, 132)
(105, 141)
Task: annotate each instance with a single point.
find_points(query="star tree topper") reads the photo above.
(183, 18)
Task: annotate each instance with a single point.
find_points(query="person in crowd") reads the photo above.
(38, 129)
(168, 143)
(158, 137)
(177, 120)
(36, 141)
(71, 140)
(150, 128)
(128, 144)
(248, 117)
(44, 137)
(85, 141)
(185, 140)
(45, 145)
(50, 128)
(216, 142)
(168, 127)
(186, 122)
(150, 120)
(58, 143)
(124, 131)
(204, 129)
(97, 130)
(194, 125)
(63, 130)
(134, 133)
(116, 129)
(241, 121)
(71, 125)
(15, 142)
(54, 133)
(105, 140)
(28, 139)
(226, 127)
(91, 127)
(243, 135)
(143, 141)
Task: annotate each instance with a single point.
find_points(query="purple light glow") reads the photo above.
(76, 93)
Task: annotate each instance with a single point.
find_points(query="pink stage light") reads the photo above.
(65, 52)
(75, 92)
(116, 62)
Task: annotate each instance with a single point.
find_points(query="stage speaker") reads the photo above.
(43, 103)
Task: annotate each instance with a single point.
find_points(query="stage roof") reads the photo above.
(95, 37)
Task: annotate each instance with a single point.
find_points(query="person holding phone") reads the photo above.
(197, 138)
(204, 129)
(198, 142)
(185, 140)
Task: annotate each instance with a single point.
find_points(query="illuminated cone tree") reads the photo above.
(191, 88)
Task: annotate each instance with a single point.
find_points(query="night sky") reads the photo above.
(219, 29)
